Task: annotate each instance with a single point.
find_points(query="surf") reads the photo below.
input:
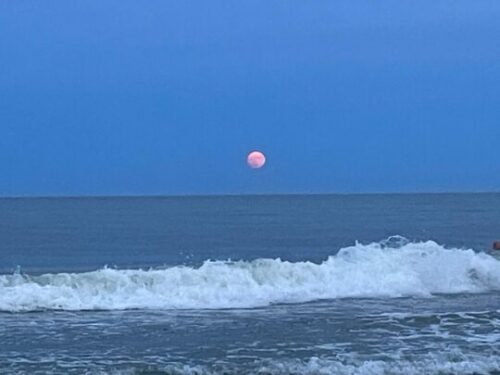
(388, 269)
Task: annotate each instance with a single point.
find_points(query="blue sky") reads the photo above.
(102, 97)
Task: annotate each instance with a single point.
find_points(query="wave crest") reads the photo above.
(374, 270)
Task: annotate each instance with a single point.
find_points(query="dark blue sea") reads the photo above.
(297, 284)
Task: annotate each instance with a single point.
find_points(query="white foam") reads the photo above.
(433, 364)
(438, 363)
(374, 270)
(430, 364)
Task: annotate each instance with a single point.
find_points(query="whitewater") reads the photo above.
(387, 269)
(251, 285)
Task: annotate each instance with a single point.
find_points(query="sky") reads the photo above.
(119, 97)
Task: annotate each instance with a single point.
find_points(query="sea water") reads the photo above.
(319, 284)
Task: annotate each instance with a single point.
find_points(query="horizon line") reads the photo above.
(208, 195)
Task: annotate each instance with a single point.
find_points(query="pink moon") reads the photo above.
(256, 159)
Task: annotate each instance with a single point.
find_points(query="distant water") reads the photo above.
(340, 284)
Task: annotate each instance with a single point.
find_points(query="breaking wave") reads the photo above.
(437, 363)
(377, 270)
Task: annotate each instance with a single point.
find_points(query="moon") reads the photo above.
(256, 159)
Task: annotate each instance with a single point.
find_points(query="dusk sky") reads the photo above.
(168, 97)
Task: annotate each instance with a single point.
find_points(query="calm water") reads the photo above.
(354, 284)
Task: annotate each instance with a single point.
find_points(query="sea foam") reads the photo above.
(454, 362)
(374, 271)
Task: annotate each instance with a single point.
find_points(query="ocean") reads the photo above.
(291, 284)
